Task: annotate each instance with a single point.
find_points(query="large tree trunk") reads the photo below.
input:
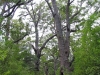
(37, 61)
(62, 43)
(37, 53)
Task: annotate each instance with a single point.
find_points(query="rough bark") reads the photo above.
(62, 43)
(46, 68)
(55, 64)
(37, 61)
(37, 50)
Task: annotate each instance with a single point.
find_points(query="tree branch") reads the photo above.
(67, 16)
(34, 49)
(64, 28)
(38, 18)
(51, 38)
(71, 1)
(14, 7)
(32, 16)
(50, 8)
(16, 41)
(42, 34)
(47, 41)
(68, 3)
(74, 15)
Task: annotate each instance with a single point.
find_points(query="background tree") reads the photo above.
(38, 18)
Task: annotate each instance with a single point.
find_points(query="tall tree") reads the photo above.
(37, 18)
(63, 42)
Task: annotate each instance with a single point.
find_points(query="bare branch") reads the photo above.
(34, 49)
(73, 30)
(34, 13)
(71, 1)
(65, 27)
(50, 8)
(29, 13)
(3, 10)
(74, 15)
(68, 3)
(42, 34)
(43, 46)
(16, 41)
(47, 41)
(38, 18)
(67, 16)
(14, 7)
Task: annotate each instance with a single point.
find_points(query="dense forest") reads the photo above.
(49, 37)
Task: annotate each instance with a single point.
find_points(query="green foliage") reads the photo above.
(3, 52)
(18, 29)
(10, 61)
(11, 56)
(87, 54)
